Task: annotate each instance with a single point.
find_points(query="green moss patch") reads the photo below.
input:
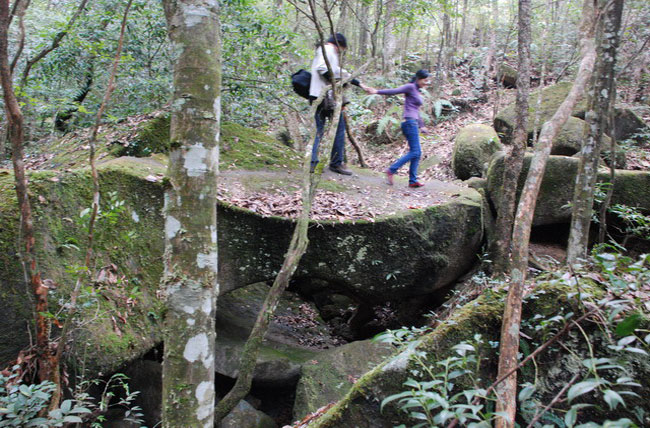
(119, 308)
(245, 148)
(551, 98)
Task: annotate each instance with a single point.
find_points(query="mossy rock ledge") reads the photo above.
(122, 314)
(360, 407)
(411, 253)
(473, 147)
(631, 188)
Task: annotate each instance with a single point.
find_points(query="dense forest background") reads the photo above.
(264, 42)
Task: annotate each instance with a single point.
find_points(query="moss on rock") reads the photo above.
(361, 405)
(245, 148)
(241, 147)
(151, 137)
(329, 376)
(508, 76)
(552, 97)
(473, 147)
(120, 316)
(631, 188)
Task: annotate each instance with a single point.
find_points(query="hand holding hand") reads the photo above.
(369, 89)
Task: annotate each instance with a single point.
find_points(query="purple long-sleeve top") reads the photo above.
(412, 100)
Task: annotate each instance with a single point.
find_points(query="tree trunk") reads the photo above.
(190, 259)
(388, 49)
(509, 346)
(463, 26)
(341, 25)
(379, 9)
(514, 162)
(488, 65)
(363, 31)
(597, 117)
(47, 364)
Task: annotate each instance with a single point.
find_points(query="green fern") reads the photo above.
(439, 104)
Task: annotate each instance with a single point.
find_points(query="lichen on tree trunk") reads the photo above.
(190, 259)
(601, 99)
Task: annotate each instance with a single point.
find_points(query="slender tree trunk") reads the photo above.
(342, 24)
(597, 117)
(15, 130)
(488, 65)
(353, 141)
(509, 346)
(611, 131)
(297, 247)
(463, 26)
(363, 30)
(514, 162)
(388, 49)
(379, 9)
(190, 259)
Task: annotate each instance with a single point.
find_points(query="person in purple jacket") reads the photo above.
(411, 125)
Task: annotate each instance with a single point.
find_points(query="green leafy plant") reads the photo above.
(21, 404)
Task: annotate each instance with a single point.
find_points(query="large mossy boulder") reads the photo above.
(631, 188)
(569, 140)
(329, 376)
(473, 147)
(362, 405)
(411, 253)
(551, 98)
(121, 312)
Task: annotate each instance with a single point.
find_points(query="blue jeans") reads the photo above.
(410, 130)
(338, 149)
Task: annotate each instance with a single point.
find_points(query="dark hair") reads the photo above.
(420, 74)
(338, 39)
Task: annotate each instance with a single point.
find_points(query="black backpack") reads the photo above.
(300, 80)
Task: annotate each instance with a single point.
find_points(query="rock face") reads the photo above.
(631, 188)
(116, 329)
(331, 374)
(552, 97)
(473, 147)
(409, 254)
(627, 124)
(508, 76)
(295, 335)
(246, 416)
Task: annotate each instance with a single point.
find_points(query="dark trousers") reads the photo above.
(338, 148)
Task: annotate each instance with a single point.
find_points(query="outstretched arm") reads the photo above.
(401, 90)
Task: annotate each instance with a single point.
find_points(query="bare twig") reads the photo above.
(553, 402)
(55, 43)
